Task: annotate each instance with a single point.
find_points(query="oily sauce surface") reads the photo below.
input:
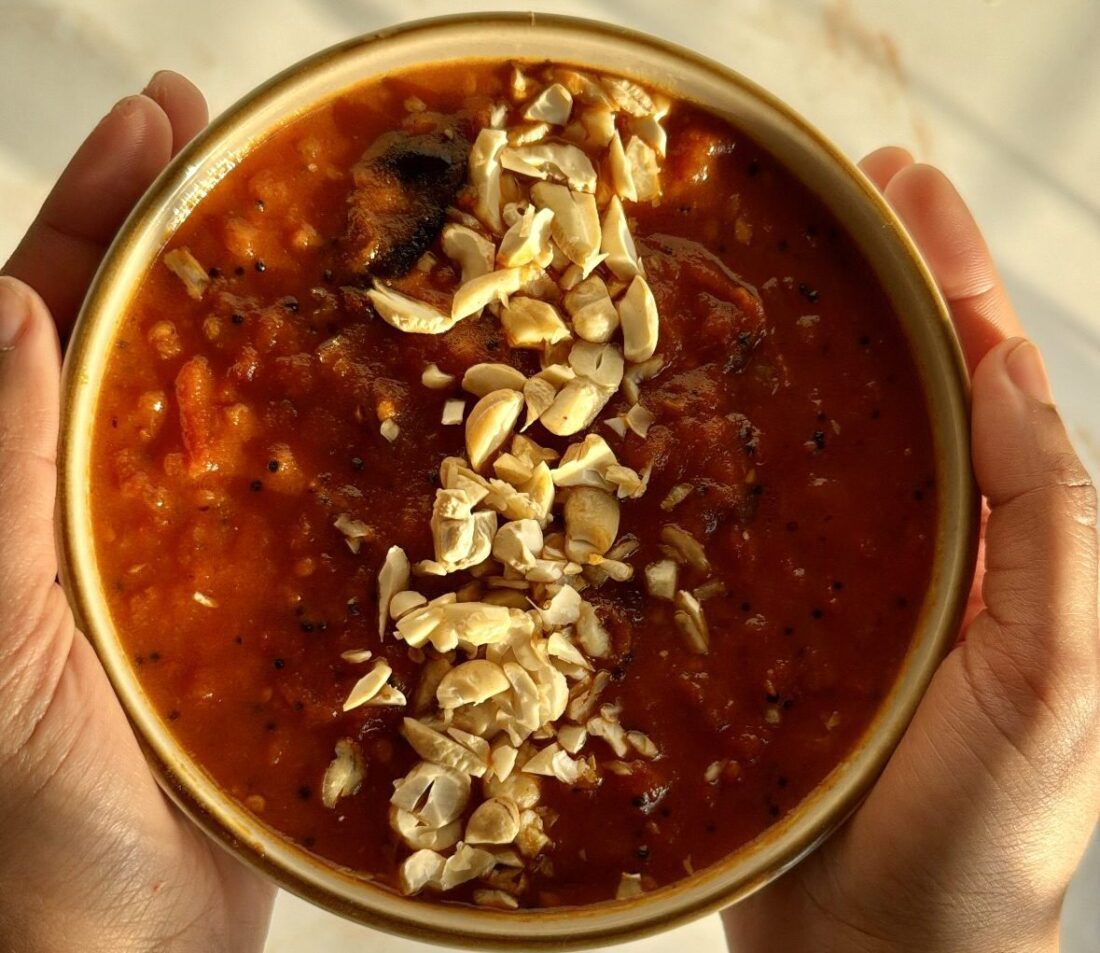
(798, 414)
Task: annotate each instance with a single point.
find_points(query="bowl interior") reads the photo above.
(819, 164)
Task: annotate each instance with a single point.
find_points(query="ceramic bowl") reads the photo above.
(804, 151)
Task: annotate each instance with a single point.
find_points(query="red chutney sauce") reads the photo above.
(616, 644)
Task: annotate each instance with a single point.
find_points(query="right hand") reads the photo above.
(970, 837)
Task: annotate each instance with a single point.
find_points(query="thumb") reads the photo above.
(1038, 633)
(29, 367)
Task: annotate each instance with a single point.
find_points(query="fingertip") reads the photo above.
(12, 289)
(1027, 370)
(182, 102)
(883, 164)
(1019, 440)
(992, 370)
(944, 228)
(109, 172)
(115, 164)
(22, 313)
(951, 242)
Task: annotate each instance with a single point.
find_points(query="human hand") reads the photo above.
(93, 857)
(970, 837)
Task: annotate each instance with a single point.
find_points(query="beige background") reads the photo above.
(1003, 95)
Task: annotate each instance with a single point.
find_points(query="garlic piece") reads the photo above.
(419, 871)
(404, 602)
(660, 579)
(629, 484)
(420, 836)
(409, 315)
(465, 864)
(512, 469)
(438, 749)
(628, 96)
(354, 532)
(387, 697)
(502, 761)
(393, 578)
(497, 899)
(576, 223)
(490, 424)
(600, 363)
(591, 523)
(591, 309)
(559, 647)
(538, 394)
(487, 289)
(562, 609)
(643, 744)
(186, 267)
(519, 83)
(523, 789)
(651, 130)
(525, 135)
(617, 243)
(532, 838)
(528, 240)
(638, 316)
(691, 622)
(574, 408)
(473, 252)
(437, 795)
(453, 411)
(583, 86)
(644, 169)
(484, 175)
(572, 738)
(471, 683)
(593, 637)
(553, 105)
(585, 463)
(556, 160)
(435, 379)
(368, 686)
(518, 544)
(685, 546)
(553, 762)
(675, 496)
(344, 775)
(639, 420)
(482, 379)
(616, 425)
(599, 124)
(530, 323)
(495, 821)
(622, 176)
(637, 373)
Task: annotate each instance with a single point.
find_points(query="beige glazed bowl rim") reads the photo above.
(799, 147)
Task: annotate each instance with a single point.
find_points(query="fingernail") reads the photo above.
(154, 82)
(1027, 371)
(124, 108)
(13, 314)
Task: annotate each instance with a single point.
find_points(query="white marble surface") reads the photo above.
(1003, 95)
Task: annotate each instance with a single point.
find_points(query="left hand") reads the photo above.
(93, 856)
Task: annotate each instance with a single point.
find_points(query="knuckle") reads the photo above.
(1067, 477)
(1083, 501)
(1019, 680)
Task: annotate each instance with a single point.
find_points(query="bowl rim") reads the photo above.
(780, 846)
